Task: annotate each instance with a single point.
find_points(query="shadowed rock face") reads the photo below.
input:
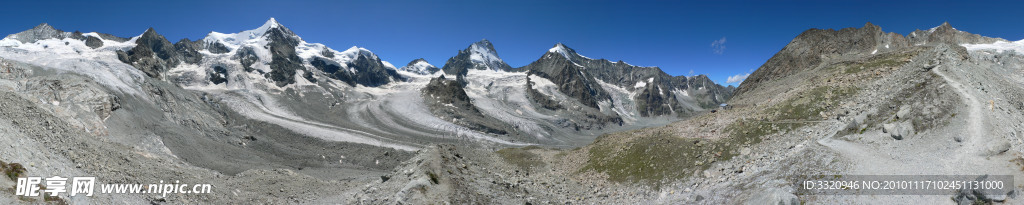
(93, 42)
(152, 54)
(653, 101)
(189, 50)
(570, 80)
(370, 71)
(217, 48)
(284, 62)
(447, 99)
(810, 47)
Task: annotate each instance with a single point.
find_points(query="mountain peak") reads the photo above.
(484, 44)
(271, 23)
(480, 55)
(418, 60)
(243, 36)
(149, 31)
(872, 26)
(560, 48)
(44, 26)
(483, 52)
(420, 66)
(945, 26)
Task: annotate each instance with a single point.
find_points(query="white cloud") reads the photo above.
(738, 78)
(691, 72)
(718, 46)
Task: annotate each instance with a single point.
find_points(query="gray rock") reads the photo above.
(898, 130)
(888, 128)
(902, 113)
(93, 42)
(905, 129)
(153, 54)
(996, 147)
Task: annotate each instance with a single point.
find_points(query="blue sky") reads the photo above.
(678, 36)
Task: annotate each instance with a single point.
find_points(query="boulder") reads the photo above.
(888, 128)
(898, 130)
(902, 113)
(996, 147)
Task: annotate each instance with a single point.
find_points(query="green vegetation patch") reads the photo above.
(879, 61)
(806, 105)
(521, 157)
(659, 156)
(12, 170)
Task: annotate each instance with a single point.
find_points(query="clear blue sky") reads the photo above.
(674, 35)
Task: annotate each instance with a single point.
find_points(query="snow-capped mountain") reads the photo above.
(273, 53)
(480, 56)
(420, 66)
(655, 92)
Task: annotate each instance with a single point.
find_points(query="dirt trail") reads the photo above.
(975, 120)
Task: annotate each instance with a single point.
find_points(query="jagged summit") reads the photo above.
(242, 37)
(944, 26)
(560, 48)
(483, 53)
(150, 32)
(40, 32)
(480, 55)
(43, 26)
(272, 23)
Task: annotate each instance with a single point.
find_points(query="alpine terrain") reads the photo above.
(267, 118)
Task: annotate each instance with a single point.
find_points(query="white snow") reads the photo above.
(71, 55)
(309, 128)
(233, 40)
(485, 56)
(640, 84)
(560, 50)
(1001, 46)
(388, 65)
(874, 51)
(539, 82)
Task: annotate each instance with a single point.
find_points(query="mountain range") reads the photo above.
(561, 94)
